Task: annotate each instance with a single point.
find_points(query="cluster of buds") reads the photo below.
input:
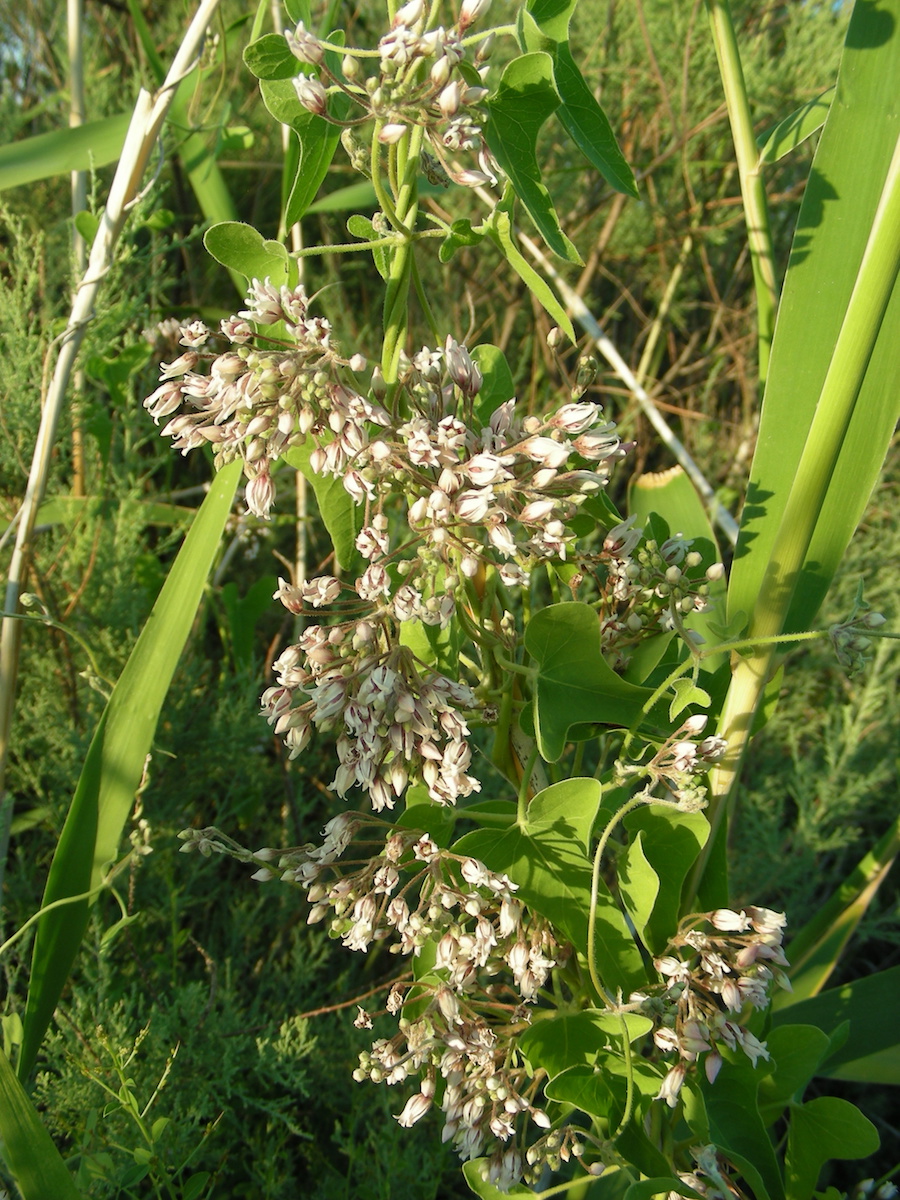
(650, 586)
(397, 722)
(258, 400)
(719, 965)
(423, 80)
(851, 638)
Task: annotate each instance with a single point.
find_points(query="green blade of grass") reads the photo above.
(34, 1160)
(115, 762)
(816, 949)
(94, 144)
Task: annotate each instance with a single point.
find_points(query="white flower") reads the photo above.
(391, 133)
(575, 418)
(545, 451)
(485, 469)
(416, 1108)
(671, 1086)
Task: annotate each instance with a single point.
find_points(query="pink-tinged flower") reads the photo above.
(373, 583)
(195, 334)
(472, 506)
(536, 511)
(598, 444)
(164, 401)
(575, 418)
(751, 1045)
(472, 179)
(371, 541)
(363, 1020)
(311, 94)
(179, 366)
(409, 14)
(486, 469)
(766, 921)
(502, 539)
(425, 849)
(260, 495)
(462, 369)
(304, 45)
(322, 590)
(471, 11)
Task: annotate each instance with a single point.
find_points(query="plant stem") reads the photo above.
(753, 191)
(634, 802)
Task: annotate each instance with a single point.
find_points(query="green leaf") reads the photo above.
(94, 144)
(342, 518)
(115, 762)
(871, 1052)
(270, 58)
(243, 613)
(737, 1128)
(421, 812)
(686, 694)
(498, 386)
(646, 1189)
(472, 1172)
(574, 683)
(796, 1052)
(87, 224)
(499, 230)
(793, 131)
(361, 227)
(836, 217)
(670, 843)
(525, 98)
(638, 884)
(299, 10)
(558, 1043)
(195, 1185)
(817, 948)
(318, 141)
(585, 1087)
(242, 248)
(28, 1149)
(568, 806)
(461, 234)
(554, 878)
(545, 27)
(823, 1129)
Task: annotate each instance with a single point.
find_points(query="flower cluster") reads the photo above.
(460, 1021)
(711, 976)
(421, 81)
(679, 765)
(397, 723)
(257, 401)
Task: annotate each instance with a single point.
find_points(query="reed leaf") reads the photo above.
(38, 1167)
(114, 764)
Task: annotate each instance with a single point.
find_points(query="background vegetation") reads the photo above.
(198, 990)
